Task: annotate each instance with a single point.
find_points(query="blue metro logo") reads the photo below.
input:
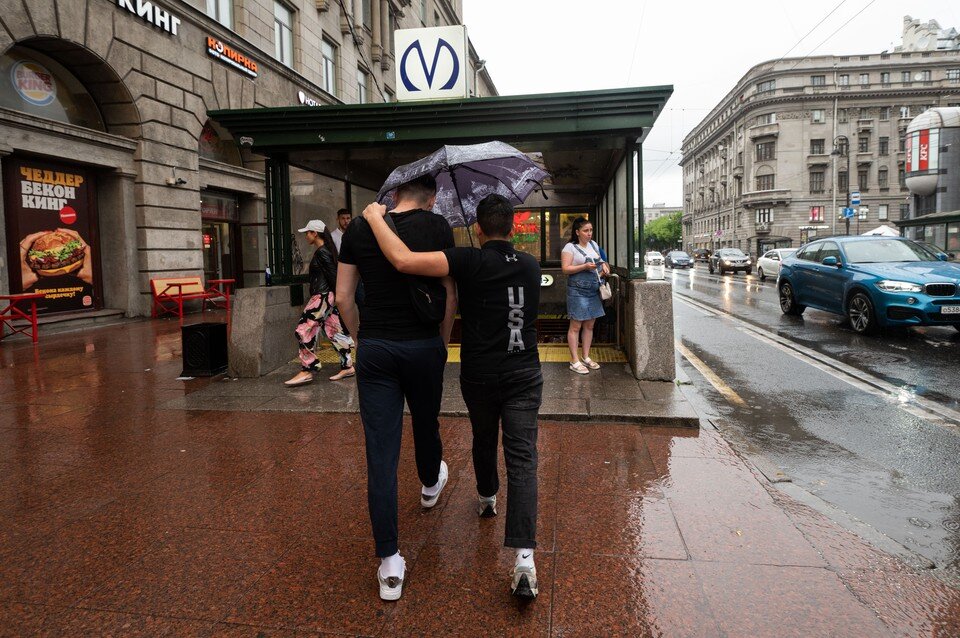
(429, 73)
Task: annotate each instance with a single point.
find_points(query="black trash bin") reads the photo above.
(204, 349)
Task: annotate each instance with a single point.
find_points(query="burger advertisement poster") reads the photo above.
(54, 220)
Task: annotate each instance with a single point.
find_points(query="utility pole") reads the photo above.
(841, 146)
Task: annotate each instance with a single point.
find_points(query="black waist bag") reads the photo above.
(427, 295)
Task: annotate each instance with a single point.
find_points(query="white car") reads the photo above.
(769, 264)
(653, 258)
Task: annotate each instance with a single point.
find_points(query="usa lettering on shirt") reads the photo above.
(515, 318)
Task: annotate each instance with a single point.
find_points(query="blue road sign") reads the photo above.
(855, 198)
(847, 213)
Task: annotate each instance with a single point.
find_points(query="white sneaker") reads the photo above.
(390, 588)
(524, 582)
(428, 500)
(487, 506)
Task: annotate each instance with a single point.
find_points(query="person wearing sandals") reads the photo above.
(320, 313)
(582, 262)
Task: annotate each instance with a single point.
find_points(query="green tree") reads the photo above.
(664, 232)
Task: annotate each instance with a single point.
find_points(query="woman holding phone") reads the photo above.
(581, 261)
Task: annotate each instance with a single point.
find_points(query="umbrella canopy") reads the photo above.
(467, 174)
(883, 231)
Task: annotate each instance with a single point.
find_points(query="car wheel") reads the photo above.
(788, 301)
(749, 271)
(763, 277)
(860, 312)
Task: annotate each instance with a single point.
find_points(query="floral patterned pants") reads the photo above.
(320, 314)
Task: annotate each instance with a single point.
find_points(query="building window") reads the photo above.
(884, 146)
(329, 52)
(423, 11)
(953, 75)
(816, 146)
(902, 145)
(842, 115)
(884, 113)
(843, 80)
(283, 33)
(905, 77)
(882, 180)
(764, 215)
(766, 87)
(816, 213)
(843, 184)
(766, 118)
(885, 78)
(926, 76)
(883, 212)
(816, 116)
(902, 177)
(818, 80)
(766, 151)
(816, 181)
(362, 82)
(366, 9)
(864, 113)
(221, 11)
(765, 182)
(388, 95)
(863, 179)
(863, 144)
(864, 79)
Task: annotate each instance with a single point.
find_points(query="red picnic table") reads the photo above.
(11, 312)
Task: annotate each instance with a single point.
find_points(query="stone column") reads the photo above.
(117, 212)
(376, 50)
(648, 333)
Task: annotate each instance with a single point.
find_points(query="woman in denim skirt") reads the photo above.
(582, 262)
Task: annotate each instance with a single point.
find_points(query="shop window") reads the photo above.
(219, 148)
(953, 237)
(936, 234)
(34, 83)
(527, 226)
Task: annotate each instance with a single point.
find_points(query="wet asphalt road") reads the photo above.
(859, 450)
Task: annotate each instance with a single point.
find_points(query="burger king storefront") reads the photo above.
(112, 173)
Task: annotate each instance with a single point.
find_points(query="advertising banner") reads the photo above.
(52, 234)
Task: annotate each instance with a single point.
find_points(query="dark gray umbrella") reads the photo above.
(467, 174)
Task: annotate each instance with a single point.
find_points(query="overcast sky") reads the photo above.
(702, 48)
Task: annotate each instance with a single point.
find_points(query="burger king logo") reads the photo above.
(33, 82)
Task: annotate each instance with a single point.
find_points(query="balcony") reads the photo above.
(865, 124)
(767, 198)
(764, 130)
(763, 228)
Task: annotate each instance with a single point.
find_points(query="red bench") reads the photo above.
(11, 313)
(170, 293)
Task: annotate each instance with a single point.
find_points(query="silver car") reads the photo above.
(768, 265)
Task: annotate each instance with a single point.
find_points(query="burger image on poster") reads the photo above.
(56, 252)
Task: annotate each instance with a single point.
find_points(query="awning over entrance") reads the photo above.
(589, 141)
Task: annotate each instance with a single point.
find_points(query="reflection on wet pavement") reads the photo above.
(122, 518)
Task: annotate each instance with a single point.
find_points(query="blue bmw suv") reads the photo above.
(873, 281)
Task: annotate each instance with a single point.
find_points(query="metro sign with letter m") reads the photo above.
(432, 63)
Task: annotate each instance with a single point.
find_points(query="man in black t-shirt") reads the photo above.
(399, 356)
(499, 293)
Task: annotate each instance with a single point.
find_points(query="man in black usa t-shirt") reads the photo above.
(499, 294)
(398, 357)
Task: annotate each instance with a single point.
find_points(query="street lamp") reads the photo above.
(841, 147)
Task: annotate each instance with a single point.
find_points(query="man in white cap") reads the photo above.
(320, 313)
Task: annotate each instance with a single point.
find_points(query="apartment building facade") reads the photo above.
(775, 162)
(104, 129)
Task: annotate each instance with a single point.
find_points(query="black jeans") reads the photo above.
(387, 373)
(513, 400)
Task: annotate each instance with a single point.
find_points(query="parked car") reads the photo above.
(874, 281)
(730, 259)
(701, 254)
(678, 259)
(653, 258)
(768, 265)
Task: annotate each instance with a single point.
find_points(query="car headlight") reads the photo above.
(898, 286)
(725, 261)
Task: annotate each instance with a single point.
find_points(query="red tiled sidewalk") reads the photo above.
(121, 518)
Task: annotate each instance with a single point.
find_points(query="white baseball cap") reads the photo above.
(315, 225)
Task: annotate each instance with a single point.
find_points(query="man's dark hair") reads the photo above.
(495, 216)
(419, 190)
(344, 211)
